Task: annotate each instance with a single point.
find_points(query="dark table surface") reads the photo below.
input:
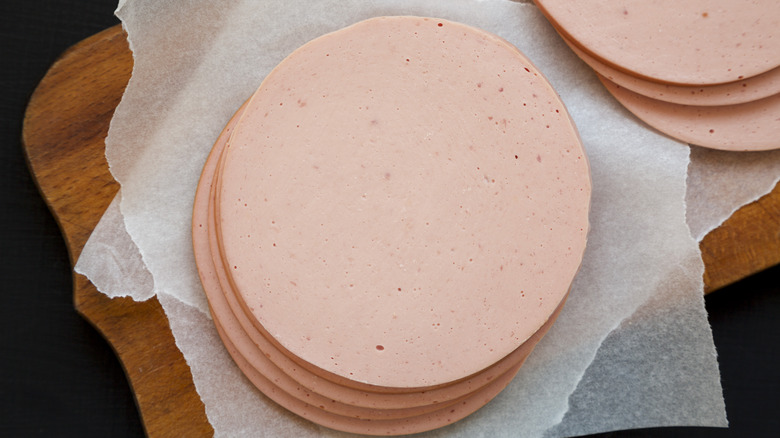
(58, 377)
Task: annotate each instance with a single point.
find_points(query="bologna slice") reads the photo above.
(732, 93)
(697, 42)
(404, 202)
(751, 126)
(391, 223)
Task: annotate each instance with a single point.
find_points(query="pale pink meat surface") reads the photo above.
(693, 42)
(732, 93)
(404, 202)
(750, 126)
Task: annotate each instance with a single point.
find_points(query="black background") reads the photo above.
(58, 377)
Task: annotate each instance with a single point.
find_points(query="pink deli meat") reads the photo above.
(403, 203)
(731, 93)
(750, 126)
(695, 42)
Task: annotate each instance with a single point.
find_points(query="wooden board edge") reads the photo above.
(736, 249)
(161, 379)
(62, 128)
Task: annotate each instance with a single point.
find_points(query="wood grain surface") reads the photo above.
(64, 130)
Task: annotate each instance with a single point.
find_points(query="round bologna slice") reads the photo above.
(751, 126)
(404, 202)
(732, 93)
(696, 42)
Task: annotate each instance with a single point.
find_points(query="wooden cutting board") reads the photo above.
(64, 128)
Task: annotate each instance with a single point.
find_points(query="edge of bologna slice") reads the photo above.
(402, 205)
(695, 42)
(732, 93)
(751, 126)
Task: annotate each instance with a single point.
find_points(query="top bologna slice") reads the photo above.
(697, 42)
(404, 202)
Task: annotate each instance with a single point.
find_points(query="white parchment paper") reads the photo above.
(196, 61)
(111, 260)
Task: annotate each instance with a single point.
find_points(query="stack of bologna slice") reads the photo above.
(391, 223)
(704, 71)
